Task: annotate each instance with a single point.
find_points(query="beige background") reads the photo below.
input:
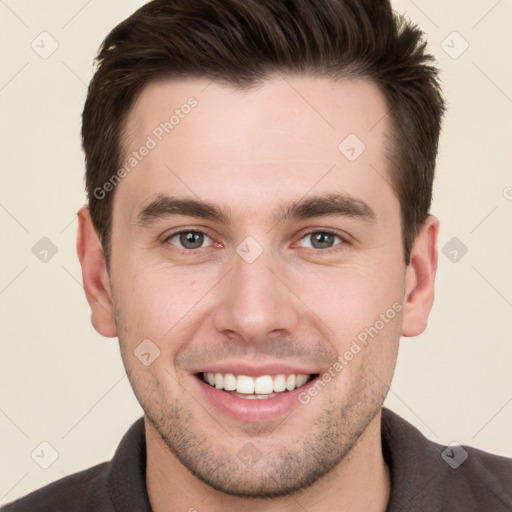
(62, 383)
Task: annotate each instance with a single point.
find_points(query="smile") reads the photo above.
(259, 387)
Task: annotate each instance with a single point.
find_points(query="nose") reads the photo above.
(256, 302)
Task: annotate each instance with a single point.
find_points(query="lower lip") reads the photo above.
(244, 409)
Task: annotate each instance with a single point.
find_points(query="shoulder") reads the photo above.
(429, 476)
(73, 493)
(115, 485)
(485, 477)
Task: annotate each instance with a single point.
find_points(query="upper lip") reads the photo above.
(252, 370)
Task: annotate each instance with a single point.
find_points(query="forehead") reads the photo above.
(254, 146)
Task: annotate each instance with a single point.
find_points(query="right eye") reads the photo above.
(188, 239)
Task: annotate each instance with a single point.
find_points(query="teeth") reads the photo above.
(229, 382)
(263, 385)
(301, 380)
(245, 384)
(279, 383)
(260, 387)
(290, 382)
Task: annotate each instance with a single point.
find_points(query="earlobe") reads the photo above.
(94, 274)
(420, 279)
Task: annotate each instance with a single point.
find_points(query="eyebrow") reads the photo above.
(333, 204)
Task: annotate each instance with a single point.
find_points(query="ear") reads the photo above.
(420, 279)
(94, 275)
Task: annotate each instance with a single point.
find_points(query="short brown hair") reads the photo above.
(242, 42)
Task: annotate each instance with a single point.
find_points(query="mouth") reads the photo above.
(261, 387)
(255, 398)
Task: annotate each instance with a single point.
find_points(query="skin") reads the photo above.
(251, 151)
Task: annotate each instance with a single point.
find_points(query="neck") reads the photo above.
(361, 482)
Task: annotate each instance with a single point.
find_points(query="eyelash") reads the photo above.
(335, 248)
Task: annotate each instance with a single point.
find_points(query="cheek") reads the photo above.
(352, 299)
(363, 313)
(156, 302)
(143, 304)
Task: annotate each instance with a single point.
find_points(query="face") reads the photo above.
(249, 247)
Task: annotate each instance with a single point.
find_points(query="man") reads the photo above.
(258, 237)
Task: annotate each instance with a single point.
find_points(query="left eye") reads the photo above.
(189, 239)
(321, 239)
